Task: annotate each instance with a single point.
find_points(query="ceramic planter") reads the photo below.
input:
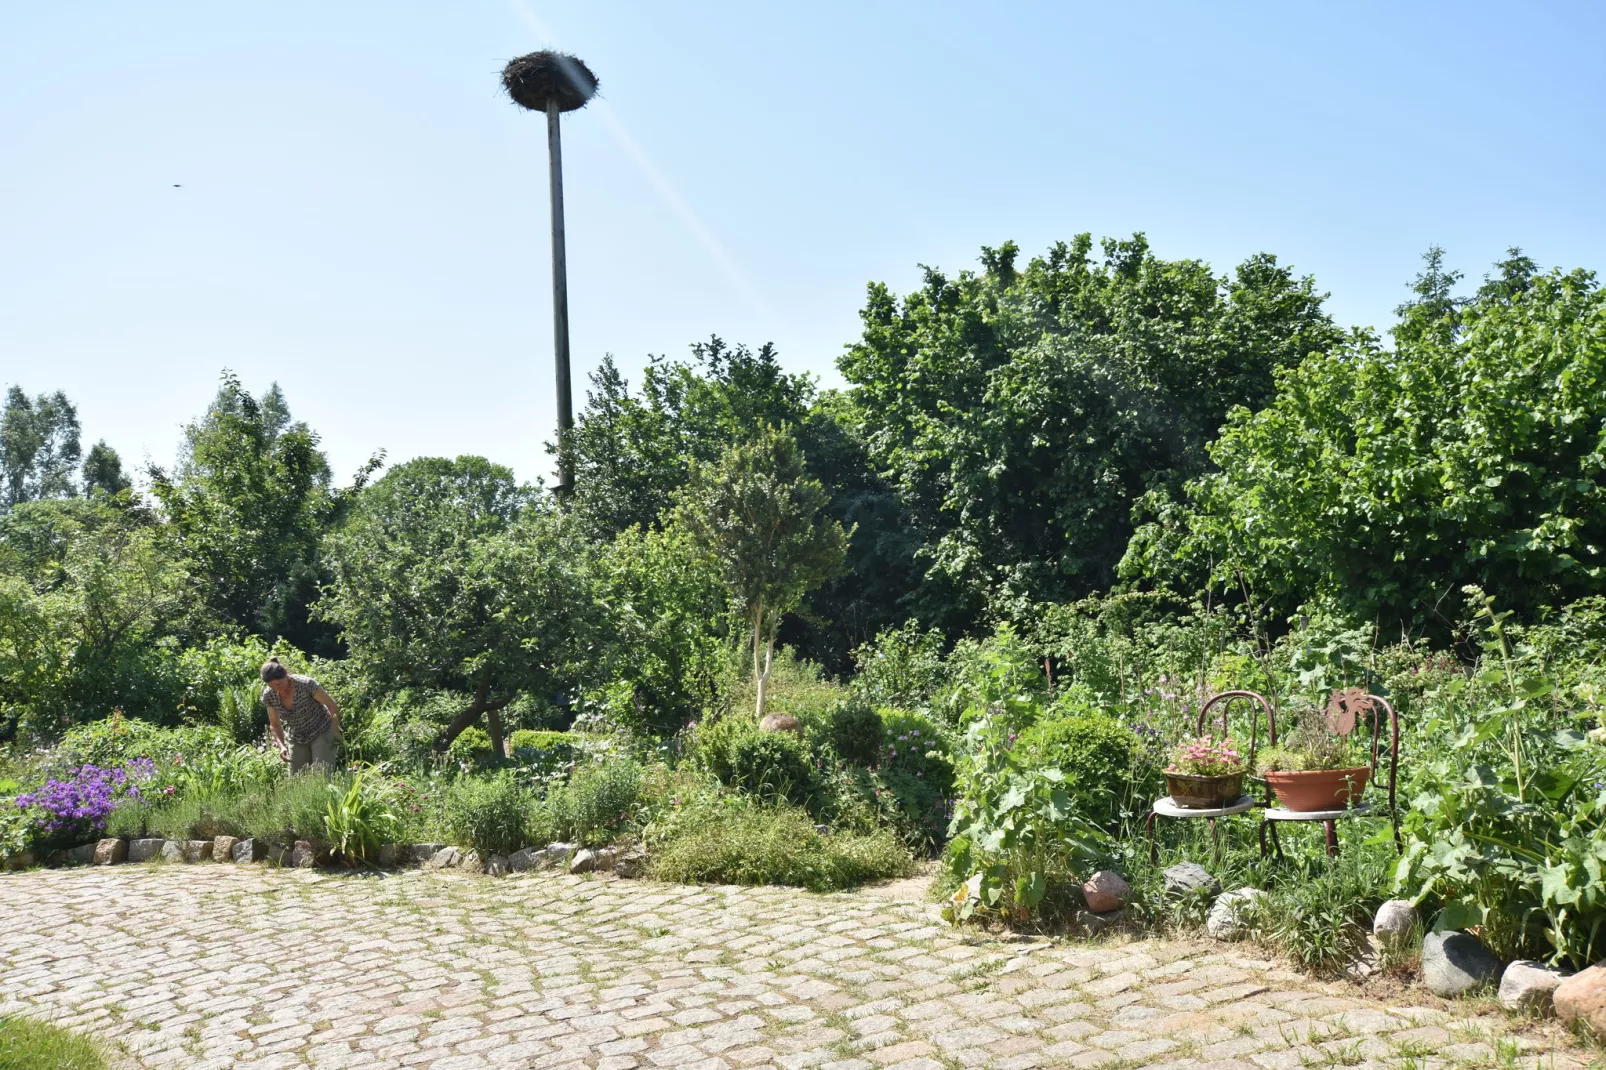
(1204, 792)
(1319, 789)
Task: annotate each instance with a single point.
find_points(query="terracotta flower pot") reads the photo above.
(1194, 792)
(1319, 789)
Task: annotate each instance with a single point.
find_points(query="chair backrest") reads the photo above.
(1225, 700)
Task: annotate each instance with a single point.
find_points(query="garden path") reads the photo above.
(222, 965)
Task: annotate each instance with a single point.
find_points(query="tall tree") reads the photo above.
(449, 575)
(39, 447)
(1021, 414)
(249, 501)
(103, 471)
(761, 516)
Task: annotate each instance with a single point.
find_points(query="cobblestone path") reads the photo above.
(214, 966)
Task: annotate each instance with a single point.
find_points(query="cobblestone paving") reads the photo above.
(218, 965)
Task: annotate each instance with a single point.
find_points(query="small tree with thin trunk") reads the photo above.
(762, 517)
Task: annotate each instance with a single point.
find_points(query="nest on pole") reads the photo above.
(539, 77)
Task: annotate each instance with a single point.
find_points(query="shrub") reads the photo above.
(749, 844)
(597, 803)
(857, 733)
(1096, 753)
(471, 747)
(539, 742)
(359, 819)
(490, 813)
(741, 755)
(116, 740)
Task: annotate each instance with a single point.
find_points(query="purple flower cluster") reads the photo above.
(78, 808)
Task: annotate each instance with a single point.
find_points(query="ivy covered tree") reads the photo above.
(1383, 481)
(761, 516)
(449, 575)
(1021, 414)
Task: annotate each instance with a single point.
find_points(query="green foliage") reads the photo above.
(759, 515)
(1384, 481)
(359, 819)
(596, 805)
(472, 747)
(491, 813)
(901, 666)
(248, 503)
(857, 733)
(29, 1044)
(449, 576)
(117, 740)
(768, 765)
(1021, 413)
(668, 641)
(558, 744)
(1097, 755)
(733, 841)
(39, 447)
(1320, 917)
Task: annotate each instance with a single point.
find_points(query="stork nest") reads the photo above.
(540, 77)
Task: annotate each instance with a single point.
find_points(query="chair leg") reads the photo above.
(1154, 852)
(1263, 839)
(1276, 843)
(1332, 837)
(1215, 837)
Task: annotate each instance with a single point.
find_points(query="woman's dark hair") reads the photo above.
(272, 670)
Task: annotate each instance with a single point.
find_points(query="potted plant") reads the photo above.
(1205, 774)
(1319, 765)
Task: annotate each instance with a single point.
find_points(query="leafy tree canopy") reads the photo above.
(1382, 482)
(450, 575)
(39, 447)
(1021, 414)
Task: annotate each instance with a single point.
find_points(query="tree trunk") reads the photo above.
(760, 676)
(493, 722)
(481, 704)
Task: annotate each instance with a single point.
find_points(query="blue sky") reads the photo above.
(362, 216)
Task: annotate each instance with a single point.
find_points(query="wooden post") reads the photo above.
(560, 302)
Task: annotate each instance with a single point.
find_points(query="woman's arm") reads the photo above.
(276, 730)
(329, 704)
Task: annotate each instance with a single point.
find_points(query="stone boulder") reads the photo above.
(172, 850)
(1093, 923)
(145, 850)
(584, 861)
(248, 850)
(632, 862)
(197, 850)
(1393, 922)
(1581, 1000)
(420, 853)
(1105, 891)
(20, 860)
(223, 848)
(781, 722)
(471, 862)
(558, 854)
(82, 855)
(278, 854)
(445, 858)
(526, 859)
(387, 854)
(111, 852)
(1190, 878)
(1230, 915)
(308, 853)
(496, 866)
(1530, 987)
(1454, 964)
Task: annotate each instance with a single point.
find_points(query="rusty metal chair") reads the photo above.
(1164, 807)
(1344, 711)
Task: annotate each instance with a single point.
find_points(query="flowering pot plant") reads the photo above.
(1317, 768)
(1205, 774)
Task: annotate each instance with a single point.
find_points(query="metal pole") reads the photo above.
(560, 302)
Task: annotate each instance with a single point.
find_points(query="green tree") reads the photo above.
(1021, 414)
(449, 575)
(103, 471)
(250, 500)
(760, 515)
(39, 447)
(1383, 482)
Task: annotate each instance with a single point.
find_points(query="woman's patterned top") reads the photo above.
(306, 719)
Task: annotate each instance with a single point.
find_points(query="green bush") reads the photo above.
(1096, 753)
(857, 734)
(471, 747)
(594, 807)
(541, 742)
(770, 765)
(116, 740)
(748, 844)
(492, 814)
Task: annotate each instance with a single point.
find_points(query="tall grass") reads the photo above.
(29, 1044)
